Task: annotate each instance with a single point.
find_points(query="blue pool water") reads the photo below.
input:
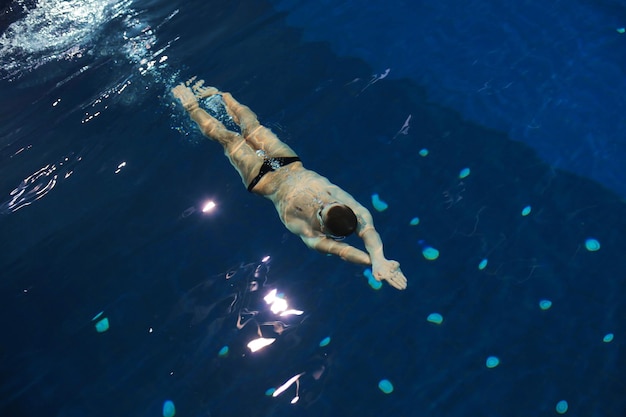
(120, 296)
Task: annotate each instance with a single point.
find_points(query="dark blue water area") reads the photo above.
(82, 233)
(550, 75)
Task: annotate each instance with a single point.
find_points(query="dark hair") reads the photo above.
(340, 221)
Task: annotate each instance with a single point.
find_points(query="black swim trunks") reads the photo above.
(271, 164)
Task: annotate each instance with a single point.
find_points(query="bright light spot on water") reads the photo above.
(279, 305)
(209, 206)
(608, 338)
(169, 410)
(270, 297)
(435, 318)
(414, 221)
(483, 264)
(492, 362)
(424, 152)
(119, 167)
(561, 407)
(385, 386)
(464, 173)
(325, 341)
(291, 312)
(260, 343)
(379, 204)
(592, 245)
(545, 304)
(286, 385)
(621, 30)
(526, 210)
(265, 259)
(430, 253)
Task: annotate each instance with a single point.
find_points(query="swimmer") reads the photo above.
(308, 204)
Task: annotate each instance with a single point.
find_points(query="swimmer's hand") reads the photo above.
(389, 271)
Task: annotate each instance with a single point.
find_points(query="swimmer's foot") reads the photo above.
(202, 92)
(186, 96)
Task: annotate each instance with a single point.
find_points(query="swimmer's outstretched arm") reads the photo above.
(313, 240)
(382, 268)
(343, 250)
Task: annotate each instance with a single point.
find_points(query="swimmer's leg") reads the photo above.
(241, 114)
(259, 136)
(238, 151)
(210, 126)
(240, 154)
(190, 91)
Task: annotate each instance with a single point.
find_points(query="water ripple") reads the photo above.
(38, 184)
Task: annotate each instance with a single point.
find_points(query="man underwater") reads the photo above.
(308, 204)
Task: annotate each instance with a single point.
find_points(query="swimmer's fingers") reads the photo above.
(390, 271)
(397, 280)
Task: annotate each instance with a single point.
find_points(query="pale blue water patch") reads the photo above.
(549, 75)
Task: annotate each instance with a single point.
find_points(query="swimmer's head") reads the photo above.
(337, 220)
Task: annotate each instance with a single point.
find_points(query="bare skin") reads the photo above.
(302, 197)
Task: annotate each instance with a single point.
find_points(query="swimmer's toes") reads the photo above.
(201, 91)
(207, 92)
(189, 81)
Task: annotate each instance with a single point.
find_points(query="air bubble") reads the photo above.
(483, 264)
(492, 362)
(379, 204)
(373, 282)
(223, 351)
(385, 386)
(169, 410)
(561, 407)
(430, 253)
(592, 245)
(435, 318)
(102, 325)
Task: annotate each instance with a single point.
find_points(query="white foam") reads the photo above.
(55, 30)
